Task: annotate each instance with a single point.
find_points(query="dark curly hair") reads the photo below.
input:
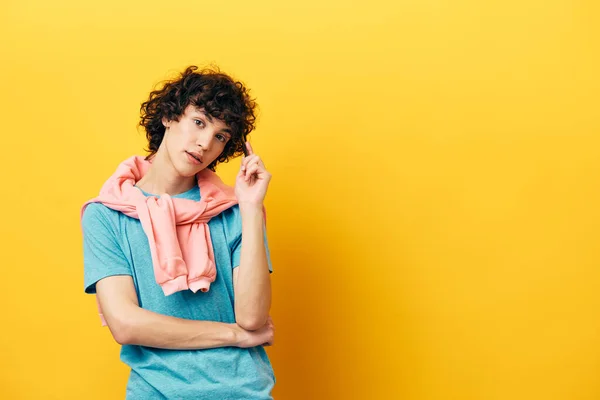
(217, 93)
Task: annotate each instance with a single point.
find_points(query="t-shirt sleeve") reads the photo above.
(102, 255)
(235, 242)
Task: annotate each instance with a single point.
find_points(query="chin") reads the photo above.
(185, 169)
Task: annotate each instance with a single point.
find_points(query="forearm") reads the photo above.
(147, 328)
(253, 285)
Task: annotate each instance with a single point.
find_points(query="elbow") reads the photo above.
(122, 330)
(122, 336)
(251, 323)
(252, 318)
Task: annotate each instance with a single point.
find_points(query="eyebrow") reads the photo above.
(210, 118)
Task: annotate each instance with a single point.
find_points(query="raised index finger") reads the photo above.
(249, 147)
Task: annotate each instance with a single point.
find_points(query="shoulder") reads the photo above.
(98, 215)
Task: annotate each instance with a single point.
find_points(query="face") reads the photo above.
(195, 141)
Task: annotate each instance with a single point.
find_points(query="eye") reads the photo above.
(221, 138)
(199, 122)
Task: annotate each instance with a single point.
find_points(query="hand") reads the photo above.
(252, 180)
(261, 337)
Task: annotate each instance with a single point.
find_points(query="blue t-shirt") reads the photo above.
(115, 244)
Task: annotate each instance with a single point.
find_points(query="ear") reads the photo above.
(165, 122)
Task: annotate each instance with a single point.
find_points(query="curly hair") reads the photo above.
(217, 93)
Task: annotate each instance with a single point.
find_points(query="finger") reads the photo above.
(248, 160)
(255, 161)
(261, 174)
(249, 147)
(260, 162)
(253, 169)
(244, 162)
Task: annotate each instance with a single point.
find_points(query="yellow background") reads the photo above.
(434, 208)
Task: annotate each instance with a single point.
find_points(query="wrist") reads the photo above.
(238, 334)
(250, 206)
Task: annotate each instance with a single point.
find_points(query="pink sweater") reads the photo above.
(177, 229)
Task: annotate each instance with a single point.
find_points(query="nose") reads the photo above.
(204, 139)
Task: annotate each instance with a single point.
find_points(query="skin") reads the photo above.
(173, 172)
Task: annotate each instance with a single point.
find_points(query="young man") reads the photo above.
(178, 260)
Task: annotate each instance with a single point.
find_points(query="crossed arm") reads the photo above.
(131, 324)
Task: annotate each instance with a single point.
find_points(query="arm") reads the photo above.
(108, 275)
(251, 280)
(131, 324)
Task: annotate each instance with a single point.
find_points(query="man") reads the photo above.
(179, 261)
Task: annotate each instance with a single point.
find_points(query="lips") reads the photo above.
(195, 156)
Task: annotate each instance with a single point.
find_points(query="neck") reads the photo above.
(163, 178)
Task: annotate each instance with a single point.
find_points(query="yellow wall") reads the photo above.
(434, 208)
